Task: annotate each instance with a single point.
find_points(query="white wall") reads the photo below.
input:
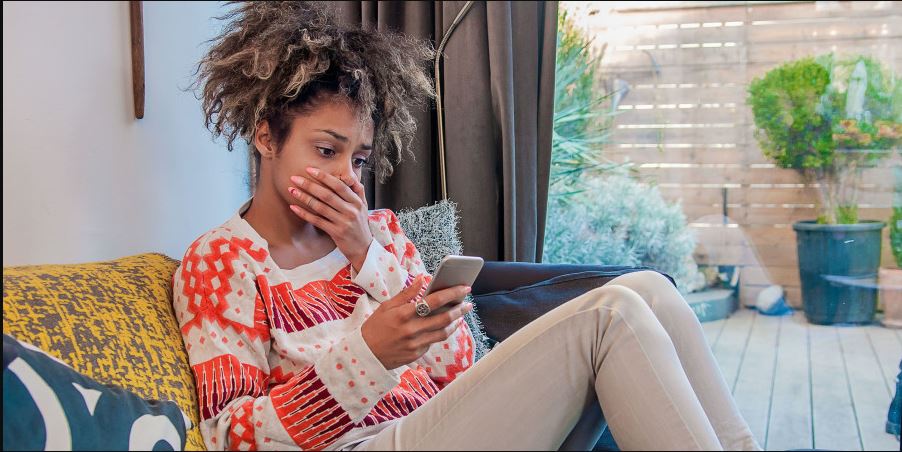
(84, 180)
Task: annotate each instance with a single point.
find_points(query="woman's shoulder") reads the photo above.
(226, 241)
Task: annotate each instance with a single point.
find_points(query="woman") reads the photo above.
(299, 313)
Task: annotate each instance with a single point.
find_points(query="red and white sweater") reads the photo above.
(277, 354)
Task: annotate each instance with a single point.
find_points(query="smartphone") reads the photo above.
(454, 271)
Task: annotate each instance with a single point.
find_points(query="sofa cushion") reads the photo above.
(506, 311)
(111, 321)
(434, 231)
(49, 406)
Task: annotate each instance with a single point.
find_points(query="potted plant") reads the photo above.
(829, 118)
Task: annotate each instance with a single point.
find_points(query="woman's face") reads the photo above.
(330, 138)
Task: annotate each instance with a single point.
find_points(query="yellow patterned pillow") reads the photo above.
(111, 321)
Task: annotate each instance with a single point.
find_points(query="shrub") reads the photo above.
(828, 118)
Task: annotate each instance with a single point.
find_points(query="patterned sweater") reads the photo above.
(277, 354)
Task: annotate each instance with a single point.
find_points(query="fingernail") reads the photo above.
(293, 191)
(468, 289)
(313, 171)
(468, 306)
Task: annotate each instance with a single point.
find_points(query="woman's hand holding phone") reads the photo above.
(397, 335)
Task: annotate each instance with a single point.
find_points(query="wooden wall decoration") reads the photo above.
(137, 31)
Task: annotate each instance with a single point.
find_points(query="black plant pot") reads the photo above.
(838, 266)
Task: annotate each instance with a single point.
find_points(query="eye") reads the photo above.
(361, 163)
(326, 152)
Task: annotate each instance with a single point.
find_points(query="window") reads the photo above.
(670, 128)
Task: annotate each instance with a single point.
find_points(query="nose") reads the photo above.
(347, 171)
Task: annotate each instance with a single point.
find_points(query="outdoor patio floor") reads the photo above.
(809, 386)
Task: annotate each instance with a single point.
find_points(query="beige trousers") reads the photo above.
(633, 346)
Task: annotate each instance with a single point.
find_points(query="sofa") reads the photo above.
(113, 321)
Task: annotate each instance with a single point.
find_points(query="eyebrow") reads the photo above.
(344, 139)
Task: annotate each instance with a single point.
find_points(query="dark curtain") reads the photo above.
(498, 94)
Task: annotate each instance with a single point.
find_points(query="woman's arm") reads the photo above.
(392, 261)
(391, 264)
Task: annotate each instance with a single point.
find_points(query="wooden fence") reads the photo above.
(685, 123)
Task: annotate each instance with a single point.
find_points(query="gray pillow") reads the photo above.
(434, 231)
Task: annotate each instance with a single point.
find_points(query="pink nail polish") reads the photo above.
(297, 179)
(313, 171)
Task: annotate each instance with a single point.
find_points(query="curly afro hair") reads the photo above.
(276, 60)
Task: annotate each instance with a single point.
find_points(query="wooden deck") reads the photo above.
(808, 386)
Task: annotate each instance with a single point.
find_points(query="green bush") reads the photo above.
(828, 118)
(620, 221)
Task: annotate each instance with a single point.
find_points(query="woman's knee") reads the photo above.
(622, 299)
(648, 280)
(656, 289)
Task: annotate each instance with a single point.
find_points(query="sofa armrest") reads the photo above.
(509, 295)
(497, 275)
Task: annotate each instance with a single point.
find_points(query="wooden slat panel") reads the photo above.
(757, 235)
(780, 52)
(733, 135)
(648, 35)
(764, 54)
(884, 27)
(834, 418)
(666, 59)
(687, 74)
(763, 276)
(739, 255)
(720, 175)
(767, 215)
(812, 10)
(625, 16)
(667, 155)
(668, 111)
(757, 197)
(764, 198)
(746, 70)
(790, 12)
(770, 215)
(755, 70)
(879, 177)
(790, 419)
(867, 384)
